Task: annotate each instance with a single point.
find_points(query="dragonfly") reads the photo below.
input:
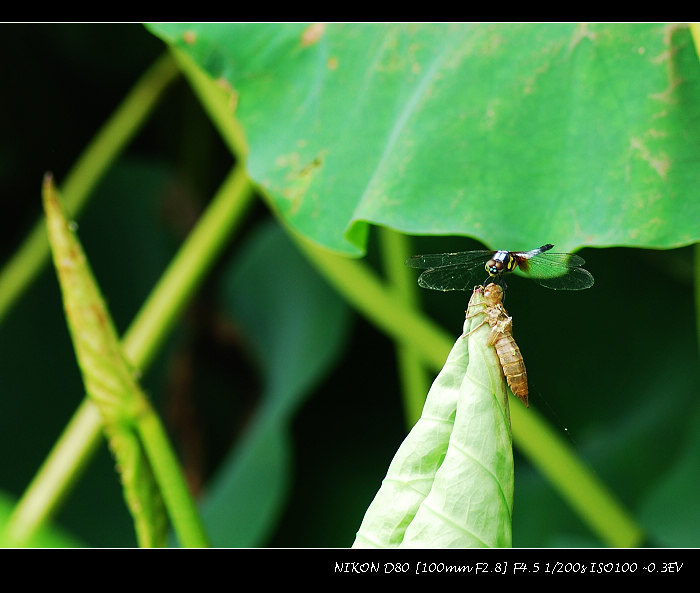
(463, 270)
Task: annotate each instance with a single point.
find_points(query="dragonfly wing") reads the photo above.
(573, 279)
(558, 271)
(565, 260)
(439, 260)
(458, 277)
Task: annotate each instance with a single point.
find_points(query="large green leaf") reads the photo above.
(515, 134)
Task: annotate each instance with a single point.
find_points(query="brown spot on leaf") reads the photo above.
(312, 34)
(659, 162)
(299, 176)
(580, 33)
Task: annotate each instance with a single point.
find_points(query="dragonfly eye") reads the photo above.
(494, 267)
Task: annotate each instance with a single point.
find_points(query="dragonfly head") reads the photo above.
(495, 267)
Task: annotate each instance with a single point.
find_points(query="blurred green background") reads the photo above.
(614, 368)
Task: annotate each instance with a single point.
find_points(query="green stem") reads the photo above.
(70, 454)
(185, 273)
(363, 289)
(174, 490)
(142, 340)
(33, 254)
(577, 483)
(414, 382)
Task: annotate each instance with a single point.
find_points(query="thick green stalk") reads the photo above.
(186, 271)
(414, 382)
(33, 254)
(66, 461)
(576, 483)
(173, 488)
